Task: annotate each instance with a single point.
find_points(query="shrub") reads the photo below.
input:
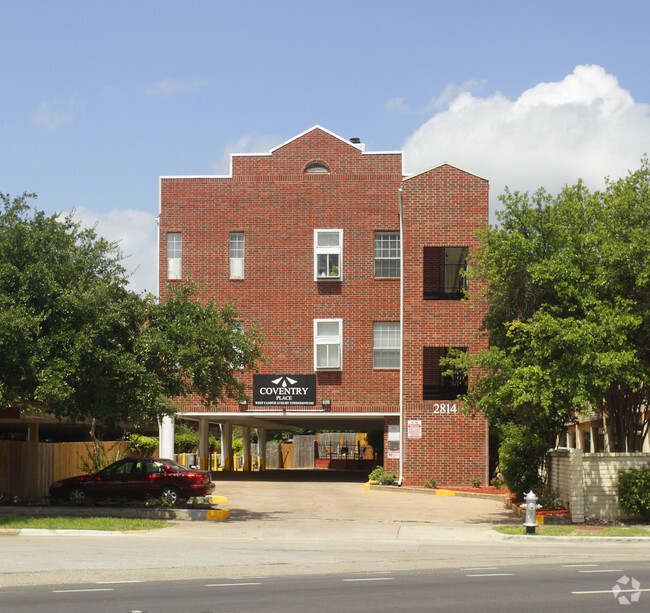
(186, 442)
(549, 499)
(387, 479)
(634, 491)
(431, 483)
(496, 482)
(521, 455)
(186, 439)
(475, 481)
(381, 477)
(143, 445)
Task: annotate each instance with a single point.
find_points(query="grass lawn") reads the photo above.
(118, 524)
(579, 530)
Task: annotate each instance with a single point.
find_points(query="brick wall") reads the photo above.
(277, 206)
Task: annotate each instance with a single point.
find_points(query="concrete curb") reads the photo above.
(210, 513)
(577, 539)
(436, 491)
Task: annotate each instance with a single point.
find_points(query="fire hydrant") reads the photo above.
(531, 512)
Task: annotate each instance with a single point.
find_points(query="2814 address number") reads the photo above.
(444, 408)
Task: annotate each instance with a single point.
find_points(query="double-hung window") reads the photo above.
(174, 255)
(387, 260)
(236, 255)
(328, 344)
(328, 254)
(385, 344)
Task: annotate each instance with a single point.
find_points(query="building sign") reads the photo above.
(393, 432)
(415, 428)
(284, 390)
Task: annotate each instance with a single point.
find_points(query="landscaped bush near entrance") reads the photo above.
(634, 491)
(143, 445)
(521, 454)
(381, 477)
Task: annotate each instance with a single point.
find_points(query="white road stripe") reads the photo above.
(578, 565)
(371, 579)
(602, 570)
(94, 589)
(609, 591)
(230, 584)
(483, 568)
(117, 582)
(492, 575)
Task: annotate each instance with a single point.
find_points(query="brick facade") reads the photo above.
(278, 205)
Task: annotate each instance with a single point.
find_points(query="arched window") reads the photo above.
(317, 168)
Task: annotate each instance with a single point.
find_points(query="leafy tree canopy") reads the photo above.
(199, 349)
(567, 281)
(75, 342)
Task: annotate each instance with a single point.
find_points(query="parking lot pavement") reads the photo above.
(320, 510)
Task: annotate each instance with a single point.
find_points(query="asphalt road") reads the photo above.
(566, 587)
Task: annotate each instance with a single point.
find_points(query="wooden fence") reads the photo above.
(28, 469)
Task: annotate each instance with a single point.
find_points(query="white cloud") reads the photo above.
(53, 115)
(136, 233)
(585, 126)
(436, 103)
(173, 87)
(250, 143)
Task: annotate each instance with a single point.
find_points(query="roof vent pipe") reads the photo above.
(355, 141)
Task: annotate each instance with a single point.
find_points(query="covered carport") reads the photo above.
(262, 421)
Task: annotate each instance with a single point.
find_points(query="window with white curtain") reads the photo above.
(236, 255)
(328, 344)
(328, 251)
(174, 255)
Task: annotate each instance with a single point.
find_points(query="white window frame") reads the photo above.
(383, 253)
(385, 342)
(332, 342)
(174, 255)
(237, 254)
(329, 254)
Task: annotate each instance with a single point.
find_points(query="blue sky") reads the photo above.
(102, 98)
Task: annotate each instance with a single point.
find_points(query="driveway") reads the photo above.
(291, 505)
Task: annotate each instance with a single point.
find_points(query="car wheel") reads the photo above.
(78, 495)
(170, 495)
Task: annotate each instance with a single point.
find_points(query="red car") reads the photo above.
(135, 478)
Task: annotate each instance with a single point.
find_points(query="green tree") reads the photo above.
(198, 349)
(76, 343)
(68, 325)
(567, 281)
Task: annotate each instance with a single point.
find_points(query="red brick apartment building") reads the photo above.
(347, 264)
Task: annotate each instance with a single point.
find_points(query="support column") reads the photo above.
(246, 448)
(166, 437)
(570, 439)
(593, 439)
(227, 459)
(261, 448)
(580, 438)
(204, 444)
(608, 440)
